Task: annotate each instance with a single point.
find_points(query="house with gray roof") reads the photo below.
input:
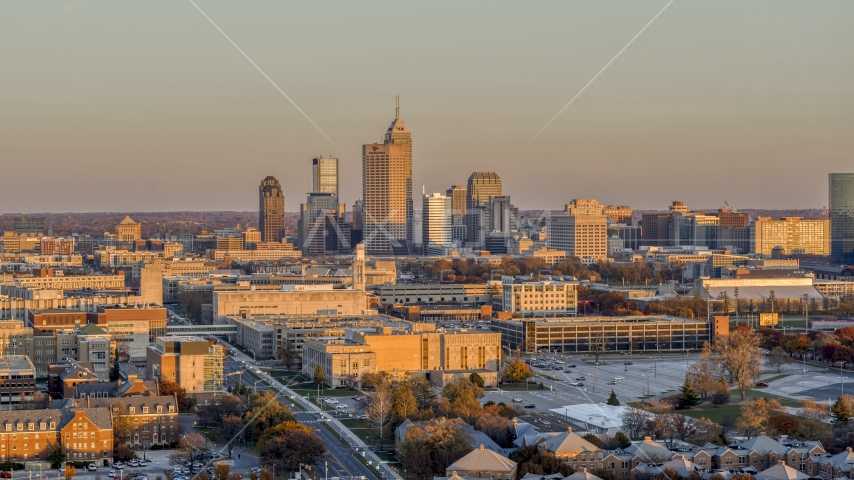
(484, 463)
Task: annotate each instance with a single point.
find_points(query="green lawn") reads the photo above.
(727, 414)
(519, 387)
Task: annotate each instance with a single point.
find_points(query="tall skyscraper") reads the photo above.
(324, 176)
(481, 186)
(387, 191)
(458, 194)
(271, 219)
(842, 218)
(436, 217)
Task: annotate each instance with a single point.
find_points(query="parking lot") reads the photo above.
(646, 375)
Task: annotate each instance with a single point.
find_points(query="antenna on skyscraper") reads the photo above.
(397, 106)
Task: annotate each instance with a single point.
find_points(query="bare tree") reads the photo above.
(634, 421)
(190, 450)
(379, 412)
(740, 355)
(598, 345)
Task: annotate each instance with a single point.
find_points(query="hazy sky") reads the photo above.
(144, 105)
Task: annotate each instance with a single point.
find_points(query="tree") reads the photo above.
(288, 354)
(232, 427)
(721, 393)
(455, 388)
(634, 422)
(533, 460)
(812, 410)
(598, 345)
(703, 373)
(517, 371)
(612, 399)
(496, 427)
(264, 412)
(69, 472)
(169, 387)
(843, 409)
(319, 375)
(426, 450)
(476, 379)
(191, 448)
(595, 440)
(782, 424)
(290, 445)
(56, 455)
(403, 403)
(423, 391)
(379, 411)
(622, 439)
(466, 406)
(755, 414)
(221, 470)
(688, 396)
(778, 358)
(740, 355)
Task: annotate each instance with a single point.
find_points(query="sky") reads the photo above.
(145, 106)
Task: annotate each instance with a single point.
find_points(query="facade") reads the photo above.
(387, 191)
(321, 229)
(257, 337)
(155, 418)
(281, 252)
(17, 379)
(398, 352)
(583, 236)
(430, 294)
(34, 225)
(481, 186)
(538, 299)
(127, 230)
(56, 245)
(793, 234)
(842, 218)
(621, 214)
(577, 334)
(291, 300)
(132, 327)
(436, 220)
(73, 282)
(271, 221)
(324, 176)
(458, 195)
(189, 361)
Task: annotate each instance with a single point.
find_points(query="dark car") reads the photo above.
(627, 363)
(580, 384)
(530, 405)
(571, 365)
(761, 384)
(581, 378)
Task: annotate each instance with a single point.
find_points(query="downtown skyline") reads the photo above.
(738, 96)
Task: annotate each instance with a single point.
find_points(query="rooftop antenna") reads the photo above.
(397, 106)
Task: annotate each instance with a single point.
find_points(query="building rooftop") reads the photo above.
(16, 363)
(597, 415)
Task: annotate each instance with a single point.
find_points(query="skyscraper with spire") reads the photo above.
(387, 191)
(271, 219)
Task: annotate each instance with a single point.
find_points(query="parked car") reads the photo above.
(580, 384)
(530, 405)
(517, 400)
(618, 378)
(627, 363)
(761, 384)
(572, 365)
(574, 384)
(581, 378)
(133, 463)
(5, 474)
(612, 382)
(112, 473)
(91, 467)
(341, 407)
(142, 463)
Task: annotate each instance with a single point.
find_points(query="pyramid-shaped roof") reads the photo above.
(569, 442)
(482, 460)
(781, 471)
(92, 330)
(764, 445)
(582, 474)
(127, 221)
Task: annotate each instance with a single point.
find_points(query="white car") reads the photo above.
(618, 378)
(517, 400)
(341, 407)
(331, 400)
(573, 384)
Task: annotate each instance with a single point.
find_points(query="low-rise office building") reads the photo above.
(537, 299)
(17, 380)
(290, 300)
(431, 294)
(155, 418)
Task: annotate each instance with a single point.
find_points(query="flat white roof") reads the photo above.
(598, 415)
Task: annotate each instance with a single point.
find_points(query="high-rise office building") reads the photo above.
(792, 234)
(842, 218)
(436, 218)
(29, 225)
(481, 186)
(621, 214)
(324, 176)
(321, 228)
(271, 219)
(387, 191)
(458, 194)
(582, 231)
